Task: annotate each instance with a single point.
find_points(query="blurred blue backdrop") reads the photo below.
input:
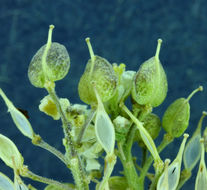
(121, 31)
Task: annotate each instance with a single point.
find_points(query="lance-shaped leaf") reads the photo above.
(193, 148)
(5, 183)
(18, 117)
(9, 153)
(174, 168)
(201, 179)
(104, 128)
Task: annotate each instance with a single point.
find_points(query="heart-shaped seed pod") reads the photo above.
(150, 82)
(98, 72)
(176, 118)
(50, 63)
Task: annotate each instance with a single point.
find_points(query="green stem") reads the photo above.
(110, 161)
(45, 180)
(87, 123)
(144, 156)
(127, 160)
(185, 175)
(154, 182)
(71, 153)
(37, 141)
(167, 139)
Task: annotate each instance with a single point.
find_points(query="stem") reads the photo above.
(144, 156)
(200, 88)
(185, 175)
(45, 180)
(37, 141)
(110, 161)
(147, 139)
(71, 153)
(87, 123)
(127, 160)
(167, 139)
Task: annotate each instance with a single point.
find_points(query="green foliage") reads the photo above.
(106, 127)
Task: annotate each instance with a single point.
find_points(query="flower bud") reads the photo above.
(150, 82)
(98, 72)
(176, 117)
(122, 126)
(50, 63)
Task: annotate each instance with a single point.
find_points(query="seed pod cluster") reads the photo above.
(98, 73)
(50, 63)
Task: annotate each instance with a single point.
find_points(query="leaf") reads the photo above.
(5, 183)
(19, 119)
(10, 153)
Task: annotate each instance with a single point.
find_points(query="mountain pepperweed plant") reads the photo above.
(104, 127)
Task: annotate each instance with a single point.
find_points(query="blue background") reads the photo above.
(121, 31)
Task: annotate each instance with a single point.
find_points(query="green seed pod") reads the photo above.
(150, 82)
(117, 182)
(98, 72)
(50, 63)
(153, 126)
(176, 118)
